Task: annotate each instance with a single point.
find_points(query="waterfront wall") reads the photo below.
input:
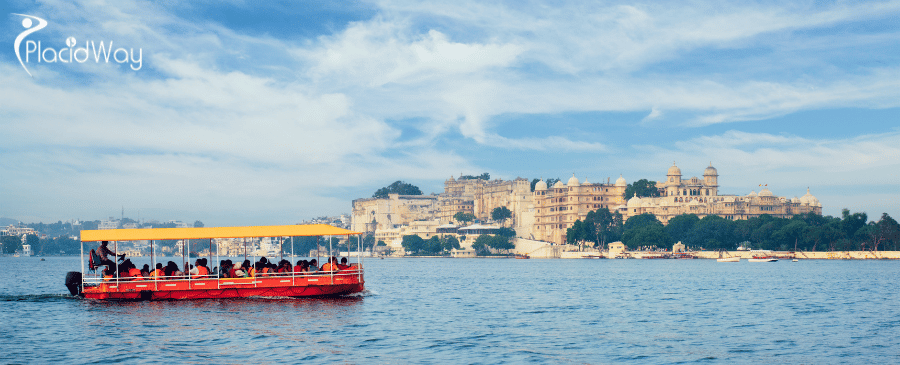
(818, 255)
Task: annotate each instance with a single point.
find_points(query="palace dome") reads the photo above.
(674, 170)
(634, 202)
(573, 181)
(752, 194)
(710, 170)
(558, 185)
(809, 199)
(540, 185)
(765, 192)
(621, 181)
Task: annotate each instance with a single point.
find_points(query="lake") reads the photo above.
(482, 311)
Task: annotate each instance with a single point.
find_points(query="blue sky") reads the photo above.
(248, 114)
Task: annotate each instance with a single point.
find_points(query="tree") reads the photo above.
(644, 230)
(481, 244)
(681, 227)
(484, 176)
(641, 188)
(450, 243)
(413, 243)
(714, 232)
(398, 187)
(499, 242)
(368, 241)
(381, 243)
(198, 224)
(501, 214)
(432, 245)
(886, 231)
(11, 244)
(463, 217)
(791, 234)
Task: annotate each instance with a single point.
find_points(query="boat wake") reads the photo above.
(363, 294)
(36, 298)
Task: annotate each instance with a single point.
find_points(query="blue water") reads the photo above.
(482, 311)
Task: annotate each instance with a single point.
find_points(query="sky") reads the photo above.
(241, 113)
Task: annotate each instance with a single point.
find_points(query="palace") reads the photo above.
(558, 207)
(547, 212)
(701, 197)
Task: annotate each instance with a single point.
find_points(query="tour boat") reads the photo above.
(93, 285)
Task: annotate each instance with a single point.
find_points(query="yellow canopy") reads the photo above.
(212, 232)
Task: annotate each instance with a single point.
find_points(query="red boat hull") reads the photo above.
(269, 286)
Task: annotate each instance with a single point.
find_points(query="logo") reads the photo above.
(71, 54)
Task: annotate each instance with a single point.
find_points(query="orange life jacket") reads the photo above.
(135, 273)
(329, 267)
(201, 273)
(156, 273)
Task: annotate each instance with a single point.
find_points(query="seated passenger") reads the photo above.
(312, 266)
(172, 271)
(331, 265)
(199, 271)
(145, 271)
(343, 265)
(156, 273)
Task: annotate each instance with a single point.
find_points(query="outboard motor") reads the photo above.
(73, 282)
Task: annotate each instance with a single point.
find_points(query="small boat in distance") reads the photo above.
(762, 256)
(729, 259)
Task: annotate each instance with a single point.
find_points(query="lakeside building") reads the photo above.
(558, 207)
(701, 197)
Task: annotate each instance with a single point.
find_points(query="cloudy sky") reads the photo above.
(244, 113)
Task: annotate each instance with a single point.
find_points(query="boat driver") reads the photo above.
(103, 250)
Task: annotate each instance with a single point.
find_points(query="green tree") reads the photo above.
(641, 188)
(11, 244)
(484, 176)
(650, 235)
(413, 243)
(433, 245)
(499, 242)
(501, 214)
(398, 187)
(481, 244)
(681, 227)
(449, 243)
(791, 234)
(886, 232)
(463, 217)
(715, 233)
(644, 230)
(198, 224)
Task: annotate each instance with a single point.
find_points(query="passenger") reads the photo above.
(172, 271)
(199, 271)
(331, 265)
(299, 267)
(131, 271)
(343, 265)
(247, 269)
(157, 272)
(225, 269)
(313, 266)
(103, 251)
(145, 271)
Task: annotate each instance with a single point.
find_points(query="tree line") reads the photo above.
(802, 232)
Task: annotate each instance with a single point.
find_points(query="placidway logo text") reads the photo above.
(101, 52)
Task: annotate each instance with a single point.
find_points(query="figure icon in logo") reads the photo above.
(70, 42)
(27, 23)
